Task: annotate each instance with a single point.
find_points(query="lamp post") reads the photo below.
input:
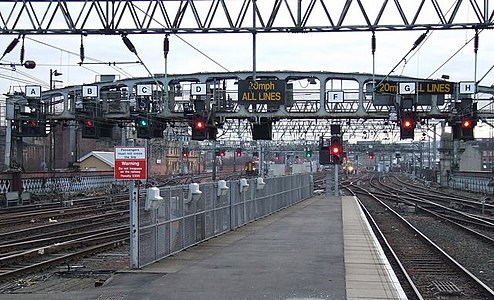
(54, 73)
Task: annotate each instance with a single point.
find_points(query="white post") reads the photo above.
(134, 224)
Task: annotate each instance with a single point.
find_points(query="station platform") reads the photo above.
(320, 248)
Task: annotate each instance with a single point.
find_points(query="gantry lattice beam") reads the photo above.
(229, 16)
(307, 114)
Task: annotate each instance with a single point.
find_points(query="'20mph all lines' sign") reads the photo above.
(130, 163)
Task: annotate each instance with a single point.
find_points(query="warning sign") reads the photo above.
(130, 163)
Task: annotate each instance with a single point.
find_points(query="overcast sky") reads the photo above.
(336, 52)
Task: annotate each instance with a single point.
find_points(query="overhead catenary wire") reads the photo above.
(120, 70)
(20, 80)
(453, 55)
(417, 42)
(182, 39)
(31, 77)
(132, 49)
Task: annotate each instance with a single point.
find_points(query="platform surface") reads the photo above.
(317, 249)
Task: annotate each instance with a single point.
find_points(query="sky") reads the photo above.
(335, 52)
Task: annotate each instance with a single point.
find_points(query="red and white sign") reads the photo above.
(130, 163)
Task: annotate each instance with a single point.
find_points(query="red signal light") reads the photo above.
(88, 123)
(33, 123)
(199, 124)
(407, 124)
(467, 123)
(335, 150)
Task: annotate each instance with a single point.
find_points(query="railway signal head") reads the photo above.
(32, 128)
(467, 125)
(308, 153)
(185, 153)
(325, 155)
(336, 149)
(407, 125)
(222, 153)
(238, 152)
(89, 129)
(144, 130)
(199, 132)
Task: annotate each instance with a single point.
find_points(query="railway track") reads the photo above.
(429, 267)
(38, 237)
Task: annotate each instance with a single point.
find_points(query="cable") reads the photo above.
(12, 78)
(417, 42)
(132, 49)
(432, 31)
(486, 73)
(180, 38)
(120, 70)
(35, 79)
(453, 55)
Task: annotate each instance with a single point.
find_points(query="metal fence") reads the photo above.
(476, 182)
(56, 185)
(183, 220)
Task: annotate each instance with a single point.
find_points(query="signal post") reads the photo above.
(332, 154)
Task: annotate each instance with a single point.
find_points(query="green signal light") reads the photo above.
(308, 154)
(143, 123)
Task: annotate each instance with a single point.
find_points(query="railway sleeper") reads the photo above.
(446, 288)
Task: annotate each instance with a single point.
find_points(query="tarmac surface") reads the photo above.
(296, 253)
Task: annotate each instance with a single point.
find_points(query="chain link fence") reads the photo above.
(184, 219)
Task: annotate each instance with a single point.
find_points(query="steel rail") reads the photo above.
(423, 237)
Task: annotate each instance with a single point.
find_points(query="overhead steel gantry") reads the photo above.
(307, 110)
(232, 16)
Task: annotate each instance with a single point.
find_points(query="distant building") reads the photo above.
(162, 161)
(97, 161)
(486, 147)
(470, 159)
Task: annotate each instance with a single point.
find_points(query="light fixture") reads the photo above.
(244, 185)
(153, 198)
(222, 188)
(194, 193)
(260, 184)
